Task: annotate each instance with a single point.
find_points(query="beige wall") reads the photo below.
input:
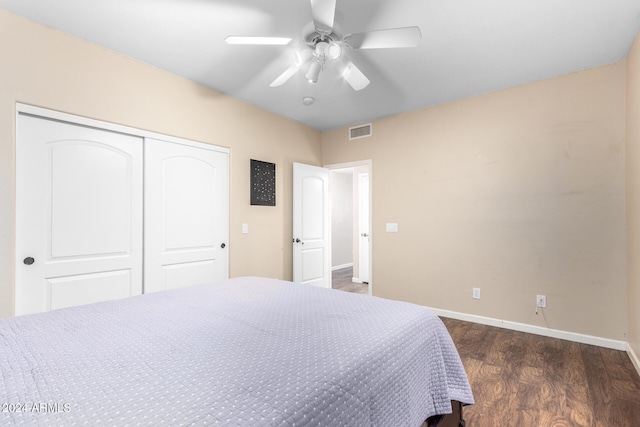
(519, 192)
(44, 67)
(633, 194)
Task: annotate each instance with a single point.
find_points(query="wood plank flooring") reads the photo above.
(521, 379)
(341, 279)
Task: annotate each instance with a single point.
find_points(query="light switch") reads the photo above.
(245, 228)
(392, 227)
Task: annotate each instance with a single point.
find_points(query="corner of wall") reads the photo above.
(632, 193)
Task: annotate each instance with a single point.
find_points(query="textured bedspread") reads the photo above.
(243, 352)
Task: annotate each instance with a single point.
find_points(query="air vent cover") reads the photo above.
(361, 131)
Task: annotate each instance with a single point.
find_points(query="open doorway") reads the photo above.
(350, 231)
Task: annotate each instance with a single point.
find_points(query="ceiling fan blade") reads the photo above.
(382, 39)
(324, 12)
(355, 77)
(284, 77)
(277, 41)
(300, 57)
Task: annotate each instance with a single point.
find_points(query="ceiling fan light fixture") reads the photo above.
(356, 78)
(314, 72)
(321, 49)
(301, 56)
(335, 50)
(277, 41)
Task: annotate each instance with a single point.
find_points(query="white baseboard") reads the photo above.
(634, 358)
(356, 280)
(340, 267)
(538, 330)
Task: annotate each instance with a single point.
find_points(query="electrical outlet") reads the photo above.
(476, 293)
(541, 301)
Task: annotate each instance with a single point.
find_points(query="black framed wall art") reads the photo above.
(263, 183)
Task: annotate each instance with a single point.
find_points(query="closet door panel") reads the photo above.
(186, 215)
(79, 215)
(87, 288)
(185, 274)
(188, 207)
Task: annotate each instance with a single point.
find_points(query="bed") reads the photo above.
(242, 352)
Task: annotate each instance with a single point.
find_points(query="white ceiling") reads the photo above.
(468, 47)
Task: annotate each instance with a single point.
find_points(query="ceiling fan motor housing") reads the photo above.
(312, 36)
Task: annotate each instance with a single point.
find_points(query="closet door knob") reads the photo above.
(223, 246)
(29, 260)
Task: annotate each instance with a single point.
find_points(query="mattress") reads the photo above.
(241, 352)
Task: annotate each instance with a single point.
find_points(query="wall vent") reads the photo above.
(361, 131)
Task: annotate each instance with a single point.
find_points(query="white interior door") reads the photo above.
(311, 226)
(186, 215)
(78, 215)
(364, 229)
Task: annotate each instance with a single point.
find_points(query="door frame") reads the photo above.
(364, 261)
(369, 164)
(99, 124)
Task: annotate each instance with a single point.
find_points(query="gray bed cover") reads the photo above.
(242, 352)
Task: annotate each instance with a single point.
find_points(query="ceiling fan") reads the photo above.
(323, 42)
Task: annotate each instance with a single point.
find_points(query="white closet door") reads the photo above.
(79, 215)
(186, 215)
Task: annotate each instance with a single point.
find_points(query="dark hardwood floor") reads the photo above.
(341, 279)
(521, 379)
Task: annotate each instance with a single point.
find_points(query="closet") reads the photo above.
(105, 212)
